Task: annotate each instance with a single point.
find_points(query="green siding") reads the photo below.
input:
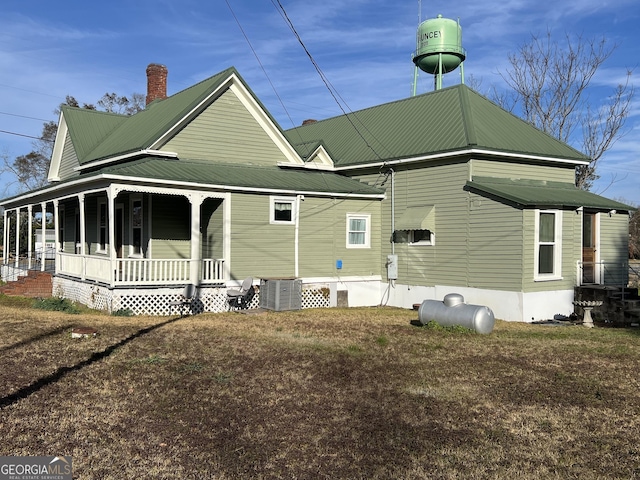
(226, 132)
(323, 238)
(259, 249)
(495, 245)
(69, 160)
(518, 169)
(571, 253)
(212, 227)
(444, 263)
(171, 227)
(265, 250)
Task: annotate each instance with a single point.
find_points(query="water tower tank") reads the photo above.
(439, 40)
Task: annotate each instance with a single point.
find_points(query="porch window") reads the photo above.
(548, 253)
(136, 226)
(358, 231)
(282, 210)
(102, 227)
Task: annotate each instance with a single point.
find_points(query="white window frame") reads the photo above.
(272, 210)
(557, 250)
(132, 252)
(367, 232)
(429, 242)
(100, 249)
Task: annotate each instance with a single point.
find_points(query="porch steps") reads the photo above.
(35, 284)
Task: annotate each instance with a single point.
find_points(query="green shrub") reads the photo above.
(56, 304)
(123, 312)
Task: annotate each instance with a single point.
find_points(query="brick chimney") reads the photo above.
(156, 82)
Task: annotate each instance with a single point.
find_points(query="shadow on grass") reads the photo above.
(42, 382)
(35, 338)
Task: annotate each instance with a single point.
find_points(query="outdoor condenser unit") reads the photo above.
(281, 294)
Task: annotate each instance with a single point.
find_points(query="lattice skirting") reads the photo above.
(157, 301)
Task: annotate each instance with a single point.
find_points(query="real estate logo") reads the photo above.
(36, 468)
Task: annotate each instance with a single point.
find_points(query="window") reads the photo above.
(414, 237)
(282, 210)
(136, 226)
(358, 233)
(548, 253)
(102, 227)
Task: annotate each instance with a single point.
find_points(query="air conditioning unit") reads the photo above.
(281, 294)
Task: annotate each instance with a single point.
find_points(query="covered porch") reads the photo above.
(122, 235)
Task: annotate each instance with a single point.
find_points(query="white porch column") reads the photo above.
(43, 258)
(5, 237)
(17, 237)
(196, 202)
(82, 234)
(56, 233)
(111, 198)
(29, 235)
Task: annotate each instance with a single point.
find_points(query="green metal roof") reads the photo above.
(454, 118)
(108, 135)
(270, 178)
(540, 193)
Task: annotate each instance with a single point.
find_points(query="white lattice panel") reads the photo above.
(149, 301)
(315, 296)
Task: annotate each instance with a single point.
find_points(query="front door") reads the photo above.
(589, 243)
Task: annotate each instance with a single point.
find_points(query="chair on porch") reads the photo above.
(240, 299)
(188, 297)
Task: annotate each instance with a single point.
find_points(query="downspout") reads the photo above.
(393, 210)
(296, 249)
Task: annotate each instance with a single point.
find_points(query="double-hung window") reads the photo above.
(358, 230)
(282, 210)
(548, 252)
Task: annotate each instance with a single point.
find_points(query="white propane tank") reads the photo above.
(452, 311)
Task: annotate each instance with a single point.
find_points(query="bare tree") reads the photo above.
(550, 89)
(30, 171)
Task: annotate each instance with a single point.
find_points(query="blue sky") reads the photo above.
(52, 49)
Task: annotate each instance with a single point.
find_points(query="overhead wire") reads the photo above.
(263, 69)
(332, 90)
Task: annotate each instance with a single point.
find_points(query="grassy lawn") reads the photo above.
(339, 394)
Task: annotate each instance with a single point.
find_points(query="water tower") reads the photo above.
(439, 49)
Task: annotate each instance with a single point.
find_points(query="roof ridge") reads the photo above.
(392, 102)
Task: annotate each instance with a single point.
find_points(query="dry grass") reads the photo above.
(359, 393)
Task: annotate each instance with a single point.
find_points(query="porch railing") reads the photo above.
(138, 271)
(602, 273)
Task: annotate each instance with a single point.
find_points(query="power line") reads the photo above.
(24, 116)
(20, 135)
(332, 90)
(262, 67)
